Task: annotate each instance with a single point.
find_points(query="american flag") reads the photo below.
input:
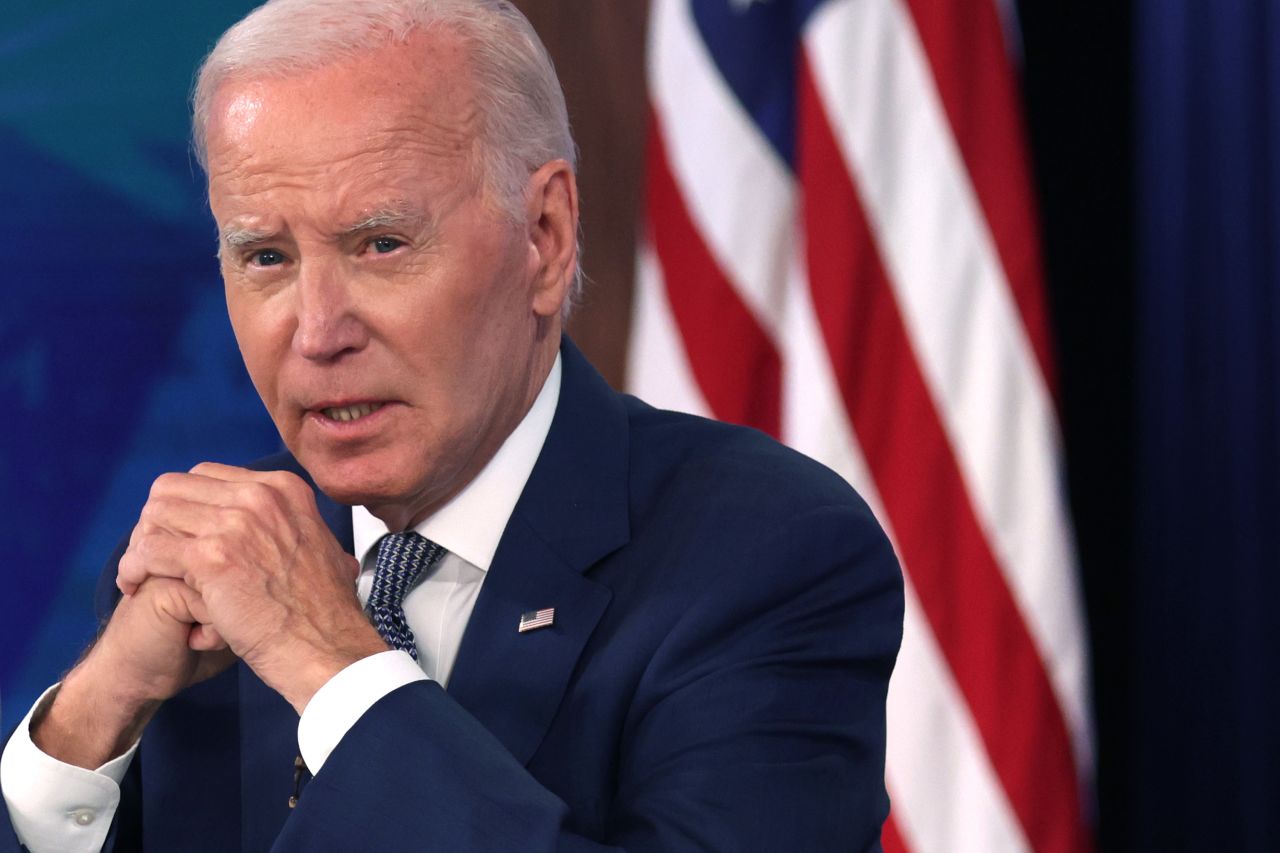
(534, 619)
(840, 248)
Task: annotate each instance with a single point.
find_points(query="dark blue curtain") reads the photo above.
(1204, 744)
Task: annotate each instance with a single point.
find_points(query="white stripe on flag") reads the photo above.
(814, 420)
(967, 333)
(945, 794)
(715, 150)
(658, 369)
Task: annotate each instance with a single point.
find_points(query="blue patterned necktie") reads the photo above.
(402, 558)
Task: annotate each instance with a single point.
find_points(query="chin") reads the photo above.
(364, 491)
(357, 481)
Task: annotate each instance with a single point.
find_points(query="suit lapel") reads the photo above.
(512, 682)
(571, 514)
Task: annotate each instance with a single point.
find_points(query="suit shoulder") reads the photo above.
(682, 457)
(742, 539)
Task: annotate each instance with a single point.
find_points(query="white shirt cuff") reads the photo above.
(53, 806)
(343, 699)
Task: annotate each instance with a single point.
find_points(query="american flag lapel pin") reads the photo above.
(535, 619)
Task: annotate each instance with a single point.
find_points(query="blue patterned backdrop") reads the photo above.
(116, 357)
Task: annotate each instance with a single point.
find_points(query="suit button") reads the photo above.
(83, 817)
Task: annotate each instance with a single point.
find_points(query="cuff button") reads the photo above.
(83, 817)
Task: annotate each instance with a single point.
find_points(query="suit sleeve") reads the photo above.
(758, 725)
(761, 721)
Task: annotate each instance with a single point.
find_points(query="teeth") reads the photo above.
(351, 413)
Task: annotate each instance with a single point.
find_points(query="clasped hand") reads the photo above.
(239, 560)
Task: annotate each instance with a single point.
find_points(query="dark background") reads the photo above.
(1078, 91)
(1156, 137)
(1155, 134)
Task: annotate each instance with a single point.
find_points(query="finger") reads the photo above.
(125, 585)
(128, 587)
(163, 516)
(183, 604)
(218, 471)
(171, 598)
(235, 473)
(148, 557)
(196, 606)
(157, 554)
(197, 487)
(353, 566)
(270, 495)
(289, 485)
(180, 516)
(205, 638)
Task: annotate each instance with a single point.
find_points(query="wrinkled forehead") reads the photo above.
(412, 100)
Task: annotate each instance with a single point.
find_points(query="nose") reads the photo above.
(329, 324)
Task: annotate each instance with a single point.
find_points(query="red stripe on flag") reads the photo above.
(964, 42)
(961, 588)
(890, 838)
(735, 363)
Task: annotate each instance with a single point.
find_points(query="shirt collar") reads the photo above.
(471, 523)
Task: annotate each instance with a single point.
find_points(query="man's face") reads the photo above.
(395, 321)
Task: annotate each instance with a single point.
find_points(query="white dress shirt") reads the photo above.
(61, 808)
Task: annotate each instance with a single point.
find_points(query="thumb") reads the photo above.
(205, 638)
(176, 601)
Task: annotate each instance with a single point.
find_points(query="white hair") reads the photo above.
(523, 119)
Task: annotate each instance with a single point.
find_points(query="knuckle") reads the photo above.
(240, 524)
(259, 496)
(215, 552)
(142, 546)
(152, 509)
(304, 495)
(293, 484)
(163, 485)
(278, 479)
(289, 487)
(234, 520)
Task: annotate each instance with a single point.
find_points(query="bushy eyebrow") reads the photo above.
(387, 217)
(393, 216)
(237, 237)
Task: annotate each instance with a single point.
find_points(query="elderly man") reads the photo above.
(513, 609)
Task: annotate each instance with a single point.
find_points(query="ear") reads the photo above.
(551, 216)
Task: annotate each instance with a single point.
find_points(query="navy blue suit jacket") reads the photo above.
(727, 614)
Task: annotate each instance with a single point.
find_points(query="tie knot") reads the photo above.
(401, 560)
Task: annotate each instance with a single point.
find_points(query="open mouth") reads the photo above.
(350, 413)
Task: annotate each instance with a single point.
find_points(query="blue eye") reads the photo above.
(267, 258)
(383, 245)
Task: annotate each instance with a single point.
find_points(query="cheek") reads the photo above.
(259, 347)
(501, 309)
(448, 315)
